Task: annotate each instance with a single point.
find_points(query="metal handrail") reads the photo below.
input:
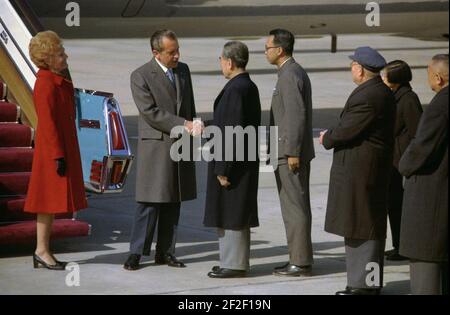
(29, 17)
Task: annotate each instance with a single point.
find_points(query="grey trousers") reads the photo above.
(295, 202)
(147, 216)
(234, 248)
(428, 278)
(365, 263)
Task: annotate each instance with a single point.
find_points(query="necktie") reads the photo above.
(171, 77)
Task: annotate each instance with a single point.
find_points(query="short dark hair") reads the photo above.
(157, 37)
(237, 52)
(284, 39)
(398, 72)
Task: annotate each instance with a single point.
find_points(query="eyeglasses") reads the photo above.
(266, 48)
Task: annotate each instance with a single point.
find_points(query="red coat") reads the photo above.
(56, 137)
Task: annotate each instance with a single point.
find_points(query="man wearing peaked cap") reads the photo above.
(362, 143)
(369, 58)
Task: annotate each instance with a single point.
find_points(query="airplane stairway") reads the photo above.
(104, 147)
(16, 156)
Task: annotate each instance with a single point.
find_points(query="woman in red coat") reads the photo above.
(56, 184)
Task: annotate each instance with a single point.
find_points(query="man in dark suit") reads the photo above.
(231, 196)
(424, 227)
(291, 112)
(162, 91)
(362, 159)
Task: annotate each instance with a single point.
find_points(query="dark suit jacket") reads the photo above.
(162, 107)
(235, 207)
(291, 111)
(362, 161)
(424, 227)
(408, 112)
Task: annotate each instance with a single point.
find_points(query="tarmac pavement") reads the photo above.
(106, 65)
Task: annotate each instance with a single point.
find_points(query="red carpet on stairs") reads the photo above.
(16, 157)
(15, 135)
(9, 112)
(25, 232)
(12, 184)
(11, 205)
(11, 209)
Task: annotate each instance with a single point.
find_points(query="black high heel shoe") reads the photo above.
(60, 262)
(57, 266)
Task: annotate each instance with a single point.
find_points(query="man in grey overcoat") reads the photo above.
(424, 227)
(291, 112)
(162, 91)
(362, 159)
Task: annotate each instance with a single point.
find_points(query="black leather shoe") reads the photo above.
(38, 261)
(226, 273)
(358, 291)
(132, 262)
(395, 256)
(169, 260)
(390, 252)
(293, 271)
(281, 267)
(215, 268)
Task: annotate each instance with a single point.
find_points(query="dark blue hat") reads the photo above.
(369, 58)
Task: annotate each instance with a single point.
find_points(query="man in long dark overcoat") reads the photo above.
(424, 227)
(231, 196)
(362, 158)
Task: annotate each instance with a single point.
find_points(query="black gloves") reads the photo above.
(61, 167)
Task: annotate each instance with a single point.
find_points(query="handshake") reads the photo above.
(194, 128)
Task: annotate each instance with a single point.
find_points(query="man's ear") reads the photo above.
(360, 72)
(280, 52)
(439, 79)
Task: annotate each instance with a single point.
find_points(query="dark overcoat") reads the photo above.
(235, 207)
(162, 107)
(424, 227)
(408, 112)
(362, 160)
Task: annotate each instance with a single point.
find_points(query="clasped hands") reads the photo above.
(194, 128)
